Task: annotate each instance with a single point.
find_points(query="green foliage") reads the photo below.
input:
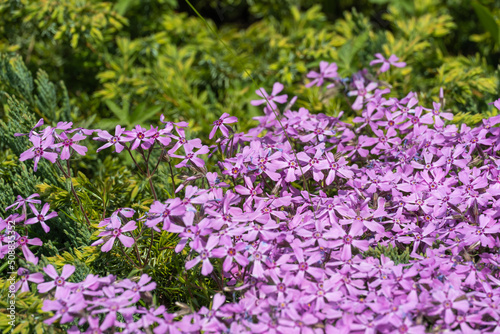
(28, 312)
(394, 253)
(102, 63)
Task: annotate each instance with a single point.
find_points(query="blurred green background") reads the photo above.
(126, 62)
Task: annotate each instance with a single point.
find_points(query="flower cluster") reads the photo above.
(297, 204)
(11, 239)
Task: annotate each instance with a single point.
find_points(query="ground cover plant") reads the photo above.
(289, 175)
(306, 224)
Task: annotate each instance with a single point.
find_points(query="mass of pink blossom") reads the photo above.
(289, 213)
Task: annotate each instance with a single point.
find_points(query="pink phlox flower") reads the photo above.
(337, 167)
(22, 201)
(318, 131)
(386, 63)
(204, 255)
(362, 93)
(270, 100)
(66, 306)
(32, 131)
(368, 117)
(42, 216)
(113, 231)
(438, 114)
(153, 135)
(346, 240)
(67, 143)
(140, 136)
(447, 302)
(134, 289)
(191, 156)
(326, 71)
(429, 165)
(23, 242)
(59, 281)
(25, 276)
(163, 212)
(219, 124)
(39, 150)
(117, 140)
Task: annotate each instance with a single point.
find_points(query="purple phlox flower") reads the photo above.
(125, 212)
(231, 253)
(59, 281)
(153, 135)
(270, 100)
(117, 140)
(454, 156)
(487, 225)
(283, 284)
(368, 117)
(39, 150)
(337, 167)
(41, 217)
(265, 163)
(429, 165)
(134, 289)
(362, 93)
(290, 167)
(163, 212)
(210, 322)
(298, 323)
(24, 277)
(417, 120)
(404, 106)
(181, 141)
(266, 231)
(326, 71)
(191, 156)
(32, 131)
(66, 306)
(67, 143)
(23, 242)
(449, 301)
(386, 63)
(22, 201)
(419, 235)
(113, 231)
(417, 201)
(347, 240)
(363, 141)
(316, 163)
(304, 266)
(385, 140)
(151, 315)
(89, 286)
(318, 130)
(204, 255)
(219, 124)
(258, 255)
(407, 326)
(112, 306)
(236, 169)
(139, 135)
(438, 114)
(248, 190)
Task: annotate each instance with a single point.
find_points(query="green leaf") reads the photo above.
(487, 21)
(349, 50)
(140, 115)
(121, 114)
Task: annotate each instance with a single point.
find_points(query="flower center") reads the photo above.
(347, 240)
